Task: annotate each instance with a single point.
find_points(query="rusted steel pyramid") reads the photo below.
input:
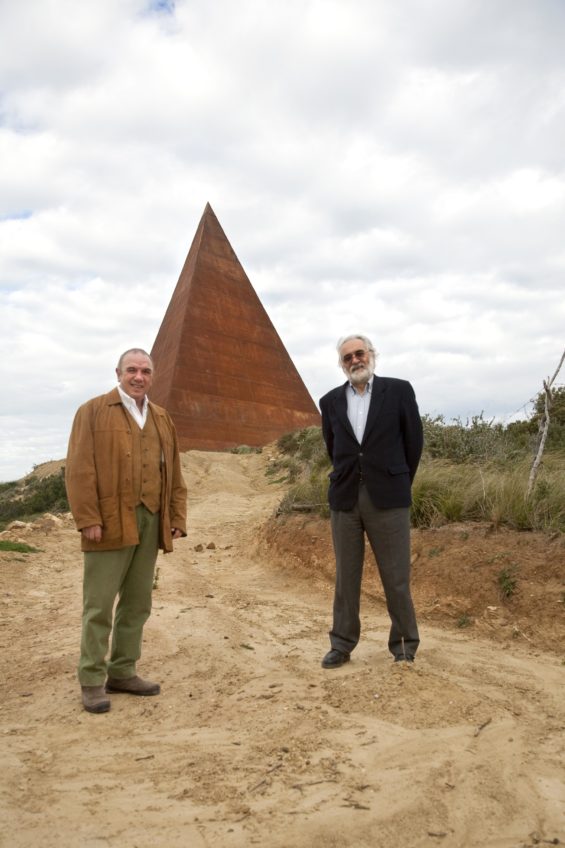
(221, 370)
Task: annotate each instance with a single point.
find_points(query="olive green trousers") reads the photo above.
(126, 574)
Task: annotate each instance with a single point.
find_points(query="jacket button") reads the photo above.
(360, 454)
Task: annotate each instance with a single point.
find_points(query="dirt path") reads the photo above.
(251, 741)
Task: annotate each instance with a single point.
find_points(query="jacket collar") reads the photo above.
(113, 398)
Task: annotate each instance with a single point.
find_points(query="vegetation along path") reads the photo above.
(251, 742)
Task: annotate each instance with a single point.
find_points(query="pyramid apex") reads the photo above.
(221, 369)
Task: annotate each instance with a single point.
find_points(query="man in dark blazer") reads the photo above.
(373, 433)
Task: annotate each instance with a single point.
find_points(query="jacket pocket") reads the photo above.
(398, 469)
(111, 518)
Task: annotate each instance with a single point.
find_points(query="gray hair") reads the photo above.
(366, 341)
(133, 350)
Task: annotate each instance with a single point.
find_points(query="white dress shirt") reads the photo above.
(358, 408)
(139, 416)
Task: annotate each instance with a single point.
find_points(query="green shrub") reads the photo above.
(427, 498)
(304, 463)
(507, 581)
(18, 547)
(444, 492)
(303, 455)
(476, 440)
(556, 432)
(476, 471)
(306, 445)
(308, 495)
(6, 487)
(32, 497)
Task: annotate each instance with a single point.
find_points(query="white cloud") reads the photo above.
(392, 168)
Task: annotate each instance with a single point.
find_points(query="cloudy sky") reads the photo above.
(395, 168)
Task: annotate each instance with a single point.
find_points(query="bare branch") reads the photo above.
(543, 428)
(551, 382)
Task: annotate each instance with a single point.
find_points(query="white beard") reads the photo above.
(361, 374)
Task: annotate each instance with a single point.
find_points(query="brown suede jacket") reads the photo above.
(98, 475)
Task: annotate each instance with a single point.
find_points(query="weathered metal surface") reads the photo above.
(221, 369)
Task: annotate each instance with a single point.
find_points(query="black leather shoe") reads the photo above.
(404, 658)
(334, 659)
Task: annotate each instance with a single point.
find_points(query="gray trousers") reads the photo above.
(388, 531)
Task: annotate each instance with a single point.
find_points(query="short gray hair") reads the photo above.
(133, 350)
(366, 341)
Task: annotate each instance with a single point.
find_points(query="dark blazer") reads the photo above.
(390, 451)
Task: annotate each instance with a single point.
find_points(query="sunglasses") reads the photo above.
(358, 354)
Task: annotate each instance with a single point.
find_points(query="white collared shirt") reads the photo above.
(358, 408)
(140, 417)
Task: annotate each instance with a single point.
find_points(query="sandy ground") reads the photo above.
(251, 742)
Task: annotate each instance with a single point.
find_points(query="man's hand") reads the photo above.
(176, 534)
(93, 534)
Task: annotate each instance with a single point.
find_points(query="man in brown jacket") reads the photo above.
(128, 499)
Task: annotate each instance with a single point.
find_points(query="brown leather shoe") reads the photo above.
(132, 686)
(94, 699)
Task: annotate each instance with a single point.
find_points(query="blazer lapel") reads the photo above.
(377, 397)
(340, 403)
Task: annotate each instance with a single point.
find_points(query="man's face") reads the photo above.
(357, 362)
(136, 375)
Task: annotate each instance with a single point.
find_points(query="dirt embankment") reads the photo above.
(251, 742)
(496, 583)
